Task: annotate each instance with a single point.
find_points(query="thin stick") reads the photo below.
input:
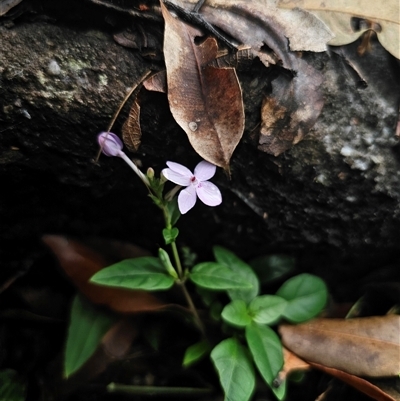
(152, 390)
(141, 80)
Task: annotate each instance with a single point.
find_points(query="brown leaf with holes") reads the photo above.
(296, 101)
(205, 101)
(368, 346)
(81, 262)
(131, 131)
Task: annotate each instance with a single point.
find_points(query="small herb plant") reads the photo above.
(250, 344)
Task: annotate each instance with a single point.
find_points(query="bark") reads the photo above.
(332, 200)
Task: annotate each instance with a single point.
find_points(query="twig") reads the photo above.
(141, 80)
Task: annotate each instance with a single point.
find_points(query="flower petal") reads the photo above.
(177, 178)
(204, 171)
(180, 169)
(209, 193)
(187, 199)
(110, 143)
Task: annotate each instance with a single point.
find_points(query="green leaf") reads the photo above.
(12, 387)
(235, 370)
(173, 211)
(170, 234)
(266, 349)
(240, 269)
(86, 329)
(306, 296)
(145, 273)
(217, 276)
(195, 352)
(272, 267)
(267, 309)
(166, 261)
(235, 313)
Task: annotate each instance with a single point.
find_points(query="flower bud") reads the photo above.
(150, 173)
(110, 144)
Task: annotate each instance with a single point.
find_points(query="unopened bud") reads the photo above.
(150, 173)
(110, 143)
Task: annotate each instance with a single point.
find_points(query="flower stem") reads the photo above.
(192, 308)
(181, 281)
(133, 166)
(177, 259)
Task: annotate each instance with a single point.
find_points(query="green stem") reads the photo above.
(150, 390)
(181, 281)
(177, 259)
(192, 308)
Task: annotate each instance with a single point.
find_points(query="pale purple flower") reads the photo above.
(111, 145)
(196, 184)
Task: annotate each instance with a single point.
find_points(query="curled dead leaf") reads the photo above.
(131, 131)
(368, 346)
(291, 110)
(157, 82)
(359, 383)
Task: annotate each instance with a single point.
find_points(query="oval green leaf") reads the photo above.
(306, 296)
(272, 267)
(195, 352)
(235, 313)
(240, 269)
(217, 276)
(145, 273)
(235, 370)
(266, 349)
(267, 309)
(86, 329)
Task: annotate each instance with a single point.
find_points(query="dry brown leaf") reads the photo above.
(304, 30)
(368, 346)
(131, 131)
(337, 14)
(359, 383)
(291, 363)
(7, 5)
(115, 345)
(157, 82)
(291, 110)
(205, 101)
(296, 100)
(119, 338)
(81, 262)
